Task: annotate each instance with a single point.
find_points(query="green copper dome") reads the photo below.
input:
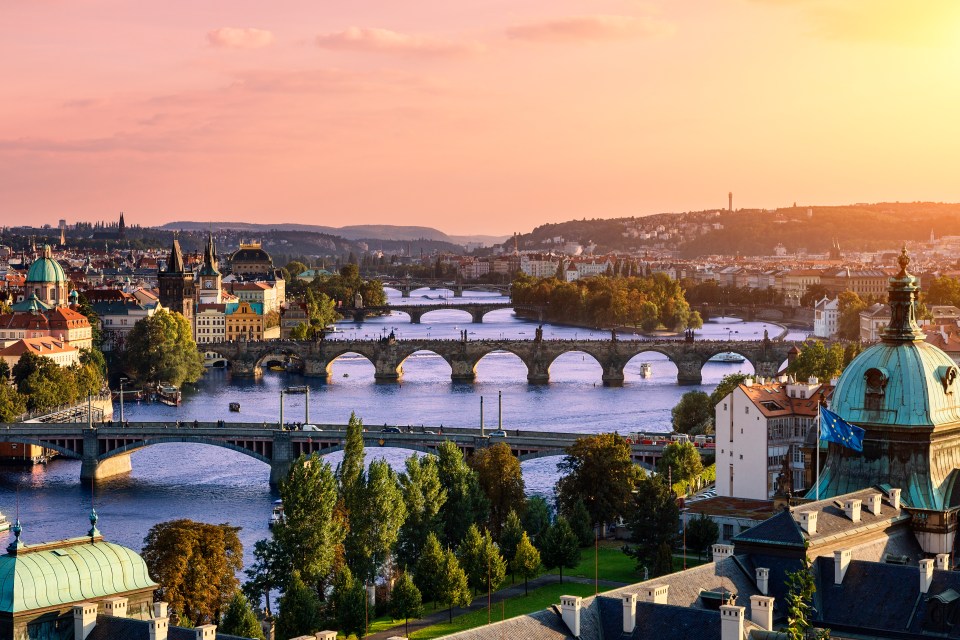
(46, 269)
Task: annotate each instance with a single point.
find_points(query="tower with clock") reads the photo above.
(210, 279)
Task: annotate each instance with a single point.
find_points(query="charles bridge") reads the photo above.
(417, 311)
(104, 449)
(246, 358)
(406, 285)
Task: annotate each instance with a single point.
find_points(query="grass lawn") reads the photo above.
(617, 566)
(537, 599)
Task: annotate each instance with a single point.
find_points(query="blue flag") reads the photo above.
(833, 428)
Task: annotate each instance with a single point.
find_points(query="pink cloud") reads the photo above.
(591, 28)
(239, 38)
(374, 40)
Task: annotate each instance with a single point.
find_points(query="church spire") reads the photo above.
(175, 262)
(903, 305)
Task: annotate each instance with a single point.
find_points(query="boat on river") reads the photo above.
(277, 516)
(646, 370)
(234, 406)
(168, 394)
(735, 358)
(302, 388)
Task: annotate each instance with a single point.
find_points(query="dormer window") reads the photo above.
(875, 389)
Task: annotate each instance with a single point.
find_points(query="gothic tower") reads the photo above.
(210, 285)
(177, 288)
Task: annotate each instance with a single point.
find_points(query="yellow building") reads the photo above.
(244, 321)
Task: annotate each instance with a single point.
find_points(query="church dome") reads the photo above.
(46, 269)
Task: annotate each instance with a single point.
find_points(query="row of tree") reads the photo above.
(40, 384)
(644, 301)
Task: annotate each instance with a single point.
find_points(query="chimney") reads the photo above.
(116, 607)
(84, 619)
(731, 622)
(926, 574)
(629, 612)
(570, 610)
(205, 632)
(874, 503)
(159, 628)
(763, 580)
(841, 560)
(721, 551)
(807, 520)
(943, 561)
(761, 611)
(852, 508)
(894, 496)
(160, 610)
(656, 593)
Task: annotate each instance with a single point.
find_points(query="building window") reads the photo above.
(876, 389)
(727, 531)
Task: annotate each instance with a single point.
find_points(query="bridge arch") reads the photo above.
(433, 352)
(497, 349)
(337, 354)
(465, 316)
(567, 360)
(179, 439)
(279, 354)
(659, 367)
(66, 452)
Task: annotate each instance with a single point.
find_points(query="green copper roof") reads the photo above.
(72, 571)
(46, 269)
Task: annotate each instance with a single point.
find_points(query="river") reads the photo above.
(216, 485)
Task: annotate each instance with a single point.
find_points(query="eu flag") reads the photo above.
(833, 428)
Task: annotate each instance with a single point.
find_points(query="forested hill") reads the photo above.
(755, 232)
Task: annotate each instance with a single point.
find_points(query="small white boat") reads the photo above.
(735, 358)
(277, 516)
(646, 370)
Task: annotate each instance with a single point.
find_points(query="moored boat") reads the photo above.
(168, 394)
(645, 370)
(728, 357)
(234, 406)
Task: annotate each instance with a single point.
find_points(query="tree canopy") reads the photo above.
(240, 619)
(560, 548)
(160, 348)
(816, 359)
(680, 461)
(500, 477)
(375, 519)
(693, 414)
(466, 503)
(526, 561)
(653, 524)
(423, 497)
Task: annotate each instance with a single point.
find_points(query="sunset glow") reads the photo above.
(477, 116)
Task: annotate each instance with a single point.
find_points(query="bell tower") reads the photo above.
(210, 286)
(177, 287)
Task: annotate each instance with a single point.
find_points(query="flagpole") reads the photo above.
(817, 490)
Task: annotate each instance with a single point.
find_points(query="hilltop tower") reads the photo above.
(121, 228)
(177, 287)
(730, 202)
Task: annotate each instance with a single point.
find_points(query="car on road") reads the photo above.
(390, 430)
(498, 434)
(310, 427)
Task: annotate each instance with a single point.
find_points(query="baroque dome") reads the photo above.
(46, 269)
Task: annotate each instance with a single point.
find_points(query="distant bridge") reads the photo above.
(388, 355)
(417, 311)
(406, 285)
(750, 313)
(104, 451)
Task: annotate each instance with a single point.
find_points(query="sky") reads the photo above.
(474, 116)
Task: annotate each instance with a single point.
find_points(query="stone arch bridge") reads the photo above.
(417, 311)
(388, 355)
(104, 451)
(405, 286)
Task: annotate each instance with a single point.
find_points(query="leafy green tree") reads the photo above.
(680, 461)
(4, 370)
(850, 307)
(500, 477)
(375, 520)
(693, 414)
(299, 609)
(301, 331)
(526, 561)
(405, 601)
(536, 521)
(579, 519)
(310, 533)
(196, 565)
(801, 586)
(466, 503)
(12, 403)
(944, 290)
(350, 469)
(353, 612)
(561, 548)
(600, 471)
(481, 560)
(816, 359)
(510, 537)
(453, 588)
(240, 619)
(429, 569)
(265, 574)
(160, 348)
(295, 268)
(727, 384)
(423, 497)
(653, 523)
(701, 534)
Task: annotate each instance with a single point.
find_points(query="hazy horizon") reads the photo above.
(482, 118)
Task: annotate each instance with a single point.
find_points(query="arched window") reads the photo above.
(875, 390)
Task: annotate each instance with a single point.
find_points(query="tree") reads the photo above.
(680, 461)
(702, 533)
(350, 602)
(500, 477)
(310, 533)
(423, 497)
(801, 586)
(470, 554)
(600, 471)
(653, 523)
(12, 403)
(943, 290)
(818, 360)
(240, 619)
(453, 588)
(265, 574)
(405, 601)
(429, 568)
(526, 561)
(350, 469)
(850, 306)
(727, 384)
(160, 348)
(196, 565)
(579, 519)
(561, 548)
(465, 503)
(299, 610)
(510, 538)
(693, 414)
(536, 521)
(375, 520)
(295, 268)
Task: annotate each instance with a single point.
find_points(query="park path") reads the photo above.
(480, 603)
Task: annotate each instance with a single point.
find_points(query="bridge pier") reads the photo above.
(282, 459)
(246, 369)
(404, 291)
(613, 375)
(458, 293)
(767, 369)
(476, 316)
(689, 372)
(388, 372)
(314, 368)
(92, 468)
(415, 316)
(462, 370)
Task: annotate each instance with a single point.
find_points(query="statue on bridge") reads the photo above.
(538, 334)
